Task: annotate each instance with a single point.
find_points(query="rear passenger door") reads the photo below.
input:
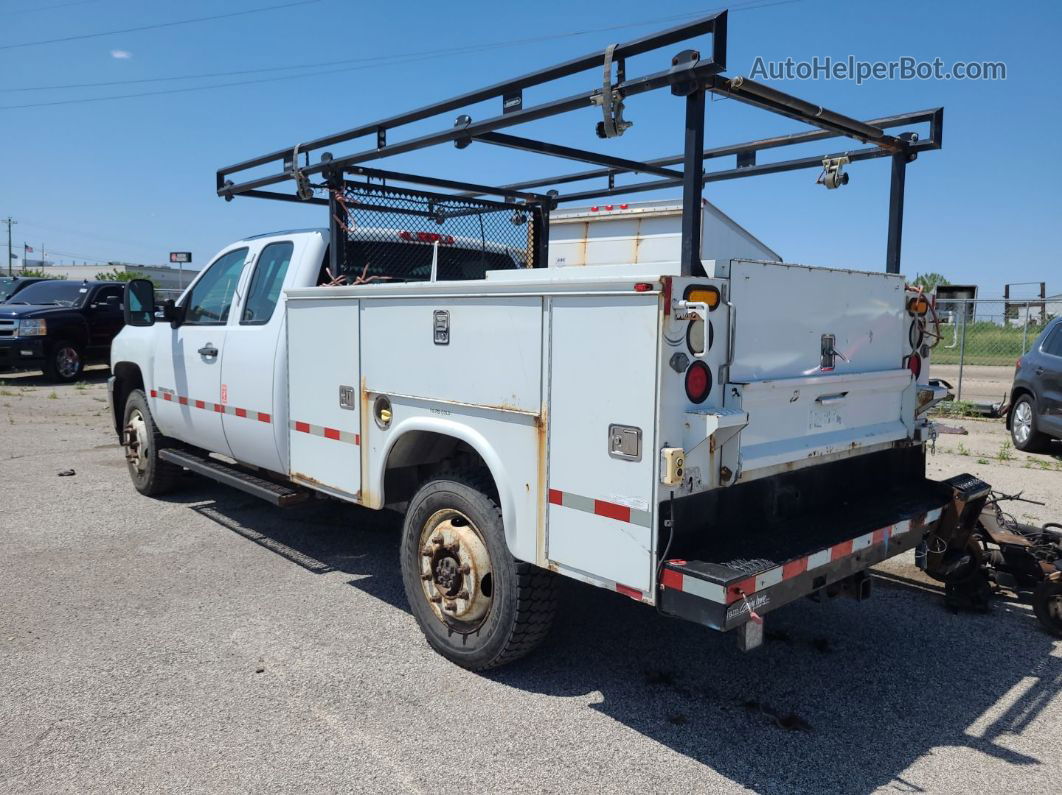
(105, 316)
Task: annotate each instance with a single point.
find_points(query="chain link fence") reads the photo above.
(982, 339)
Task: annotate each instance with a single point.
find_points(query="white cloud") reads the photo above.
(121, 55)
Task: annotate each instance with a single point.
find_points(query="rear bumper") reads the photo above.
(722, 596)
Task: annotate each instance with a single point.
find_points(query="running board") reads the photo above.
(271, 492)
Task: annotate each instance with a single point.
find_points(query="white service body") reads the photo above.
(546, 375)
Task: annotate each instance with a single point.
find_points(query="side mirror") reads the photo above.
(172, 313)
(139, 303)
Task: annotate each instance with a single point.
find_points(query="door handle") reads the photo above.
(208, 350)
(1039, 371)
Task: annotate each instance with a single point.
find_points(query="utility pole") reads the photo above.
(10, 253)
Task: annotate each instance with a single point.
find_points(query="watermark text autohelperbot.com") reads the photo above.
(906, 67)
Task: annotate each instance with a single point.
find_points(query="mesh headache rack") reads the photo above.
(396, 225)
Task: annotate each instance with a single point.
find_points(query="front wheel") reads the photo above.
(477, 605)
(65, 362)
(141, 438)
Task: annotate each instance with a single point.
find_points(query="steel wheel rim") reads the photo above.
(1023, 422)
(67, 361)
(137, 441)
(456, 574)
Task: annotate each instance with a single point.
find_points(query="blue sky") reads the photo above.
(132, 179)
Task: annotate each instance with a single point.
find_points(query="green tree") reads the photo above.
(930, 281)
(116, 275)
(40, 273)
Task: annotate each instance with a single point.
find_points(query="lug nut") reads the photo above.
(451, 606)
(437, 539)
(463, 594)
(465, 568)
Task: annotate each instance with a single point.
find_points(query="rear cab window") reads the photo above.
(1053, 344)
(266, 283)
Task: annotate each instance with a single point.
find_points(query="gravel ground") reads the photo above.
(211, 643)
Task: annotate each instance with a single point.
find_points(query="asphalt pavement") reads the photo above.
(209, 642)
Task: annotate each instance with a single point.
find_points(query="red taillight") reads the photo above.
(642, 287)
(1017, 364)
(406, 235)
(593, 209)
(609, 207)
(698, 382)
(624, 206)
(914, 364)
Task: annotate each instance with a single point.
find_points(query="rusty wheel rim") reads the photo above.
(456, 574)
(136, 441)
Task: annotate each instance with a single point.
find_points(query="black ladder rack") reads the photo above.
(689, 75)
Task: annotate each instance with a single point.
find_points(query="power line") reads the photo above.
(155, 26)
(374, 62)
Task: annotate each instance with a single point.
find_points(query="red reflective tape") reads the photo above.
(841, 550)
(357, 438)
(671, 579)
(331, 433)
(199, 404)
(219, 408)
(263, 417)
(556, 496)
(612, 511)
(794, 567)
(880, 535)
(182, 400)
(631, 592)
(154, 393)
(302, 427)
(241, 412)
(746, 587)
(167, 396)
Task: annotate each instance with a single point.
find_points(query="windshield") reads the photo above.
(53, 293)
(7, 284)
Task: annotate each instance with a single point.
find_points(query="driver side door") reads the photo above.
(188, 400)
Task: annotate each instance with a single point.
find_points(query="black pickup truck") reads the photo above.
(59, 326)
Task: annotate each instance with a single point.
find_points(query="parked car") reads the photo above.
(59, 326)
(1035, 415)
(9, 285)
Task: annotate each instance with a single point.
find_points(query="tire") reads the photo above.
(151, 475)
(1047, 604)
(65, 363)
(1023, 427)
(475, 603)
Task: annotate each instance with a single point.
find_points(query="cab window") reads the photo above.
(266, 283)
(211, 297)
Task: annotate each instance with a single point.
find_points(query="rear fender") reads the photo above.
(373, 491)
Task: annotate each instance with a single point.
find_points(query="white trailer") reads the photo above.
(715, 436)
(645, 233)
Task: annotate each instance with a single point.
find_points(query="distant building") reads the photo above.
(163, 275)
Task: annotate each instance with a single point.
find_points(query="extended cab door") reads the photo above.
(188, 399)
(254, 364)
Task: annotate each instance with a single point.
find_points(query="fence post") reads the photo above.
(1024, 330)
(962, 352)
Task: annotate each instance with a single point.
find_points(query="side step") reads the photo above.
(267, 490)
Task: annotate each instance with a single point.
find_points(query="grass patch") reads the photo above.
(962, 449)
(8, 393)
(986, 343)
(983, 461)
(53, 396)
(955, 408)
(1004, 453)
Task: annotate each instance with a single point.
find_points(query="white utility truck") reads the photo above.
(713, 437)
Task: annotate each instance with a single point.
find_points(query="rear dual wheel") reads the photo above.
(477, 605)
